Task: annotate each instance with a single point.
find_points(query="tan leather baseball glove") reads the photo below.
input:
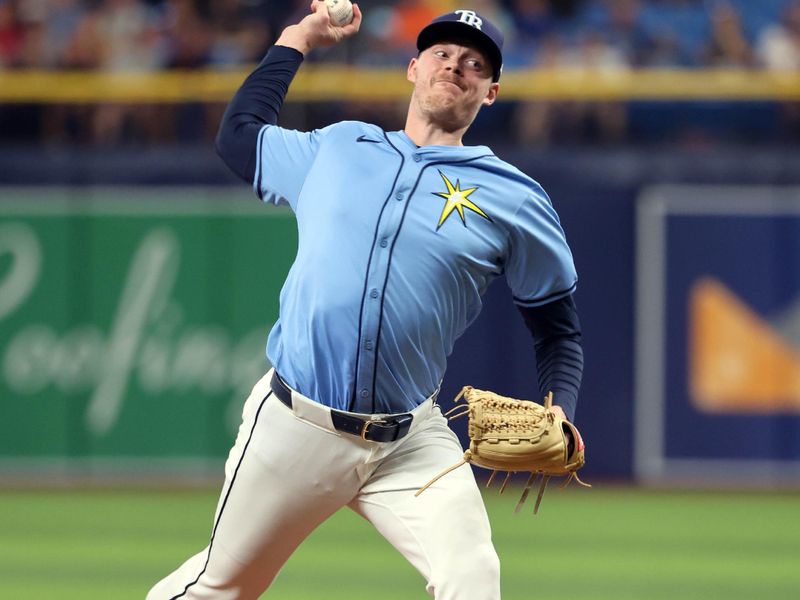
(513, 435)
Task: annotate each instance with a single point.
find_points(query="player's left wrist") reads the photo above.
(559, 412)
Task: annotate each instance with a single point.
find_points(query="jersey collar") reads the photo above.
(438, 152)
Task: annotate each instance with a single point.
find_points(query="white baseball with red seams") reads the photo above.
(341, 11)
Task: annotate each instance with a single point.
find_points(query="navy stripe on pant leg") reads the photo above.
(225, 501)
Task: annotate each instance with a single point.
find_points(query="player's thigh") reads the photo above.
(291, 477)
(286, 477)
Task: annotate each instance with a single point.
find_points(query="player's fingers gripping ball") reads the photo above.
(513, 435)
(340, 11)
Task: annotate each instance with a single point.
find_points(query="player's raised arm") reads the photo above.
(259, 100)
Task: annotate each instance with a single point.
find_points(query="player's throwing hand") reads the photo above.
(316, 30)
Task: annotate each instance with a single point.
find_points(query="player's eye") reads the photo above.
(441, 53)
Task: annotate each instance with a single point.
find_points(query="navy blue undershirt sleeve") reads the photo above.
(257, 103)
(559, 356)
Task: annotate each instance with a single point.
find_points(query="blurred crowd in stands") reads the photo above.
(118, 35)
(162, 34)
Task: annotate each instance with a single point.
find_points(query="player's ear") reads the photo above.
(411, 73)
(491, 95)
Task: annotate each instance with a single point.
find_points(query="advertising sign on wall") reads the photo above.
(133, 323)
(718, 334)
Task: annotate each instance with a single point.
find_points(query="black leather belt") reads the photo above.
(385, 429)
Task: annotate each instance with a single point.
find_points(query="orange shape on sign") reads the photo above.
(737, 361)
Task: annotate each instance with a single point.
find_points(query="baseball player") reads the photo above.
(400, 233)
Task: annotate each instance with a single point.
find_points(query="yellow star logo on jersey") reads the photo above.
(457, 199)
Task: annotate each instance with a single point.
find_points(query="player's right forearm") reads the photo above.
(257, 103)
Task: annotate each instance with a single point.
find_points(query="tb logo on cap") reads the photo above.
(470, 18)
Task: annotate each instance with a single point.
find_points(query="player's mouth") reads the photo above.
(449, 83)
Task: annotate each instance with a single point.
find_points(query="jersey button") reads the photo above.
(364, 393)
(399, 195)
(373, 293)
(384, 243)
(368, 345)
(417, 158)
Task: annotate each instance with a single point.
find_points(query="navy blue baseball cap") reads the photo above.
(468, 24)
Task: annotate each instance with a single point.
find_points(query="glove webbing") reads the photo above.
(548, 403)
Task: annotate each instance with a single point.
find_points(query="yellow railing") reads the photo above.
(332, 83)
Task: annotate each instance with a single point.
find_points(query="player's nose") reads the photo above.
(454, 67)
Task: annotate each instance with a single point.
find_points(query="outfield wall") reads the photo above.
(133, 322)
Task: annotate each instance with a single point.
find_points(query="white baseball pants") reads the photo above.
(289, 470)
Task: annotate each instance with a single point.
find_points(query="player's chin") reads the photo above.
(450, 115)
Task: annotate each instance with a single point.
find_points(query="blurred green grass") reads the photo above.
(612, 543)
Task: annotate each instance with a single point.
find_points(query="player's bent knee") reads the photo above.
(471, 575)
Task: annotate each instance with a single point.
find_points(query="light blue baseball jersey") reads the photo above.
(397, 243)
